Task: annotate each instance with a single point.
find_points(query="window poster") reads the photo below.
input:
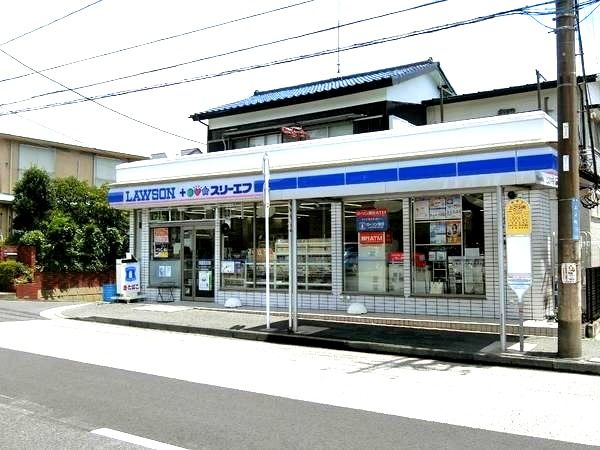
(164, 271)
(161, 235)
(453, 233)
(437, 208)
(453, 207)
(161, 250)
(437, 233)
(421, 209)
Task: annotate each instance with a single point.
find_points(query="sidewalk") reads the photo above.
(338, 333)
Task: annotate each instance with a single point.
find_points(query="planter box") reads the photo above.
(28, 290)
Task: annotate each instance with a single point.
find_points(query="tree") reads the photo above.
(80, 231)
(33, 200)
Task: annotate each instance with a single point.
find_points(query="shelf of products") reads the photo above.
(313, 267)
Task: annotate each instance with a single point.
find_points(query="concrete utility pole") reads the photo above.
(569, 254)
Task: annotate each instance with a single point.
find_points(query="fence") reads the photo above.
(591, 309)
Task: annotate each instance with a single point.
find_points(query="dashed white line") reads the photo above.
(133, 439)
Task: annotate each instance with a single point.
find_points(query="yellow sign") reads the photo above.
(518, 217)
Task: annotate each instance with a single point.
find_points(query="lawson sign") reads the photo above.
(184, 192)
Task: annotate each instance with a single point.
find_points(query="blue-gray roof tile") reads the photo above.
(333, 86)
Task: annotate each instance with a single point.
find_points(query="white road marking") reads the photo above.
(133, 439)
(56, 313)
(516, 401)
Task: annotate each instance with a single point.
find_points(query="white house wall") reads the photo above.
(488, 107)
(414, 90)
(376, 95)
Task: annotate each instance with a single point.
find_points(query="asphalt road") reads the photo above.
(50, 403)
(25, 310)
(61, 381)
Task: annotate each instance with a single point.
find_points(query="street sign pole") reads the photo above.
(501, 281)
(267, 206)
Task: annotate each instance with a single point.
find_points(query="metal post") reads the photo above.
(294, 271)
(521, 339)
(569, 287)
(267, 205)
(290, 289)
(501, 281)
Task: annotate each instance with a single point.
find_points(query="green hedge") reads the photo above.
(11, 272)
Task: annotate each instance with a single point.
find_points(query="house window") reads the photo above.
(105, 170)
(330, 130)
(41, 157)
(256, 141)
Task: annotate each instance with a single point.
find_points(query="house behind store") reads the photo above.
(393, 177)
(18, 153)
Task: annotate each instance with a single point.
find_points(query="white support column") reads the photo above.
(144, 258)
(218, 246)
(131, 233)
(408, 257)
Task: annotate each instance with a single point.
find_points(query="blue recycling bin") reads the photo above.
(108, 292)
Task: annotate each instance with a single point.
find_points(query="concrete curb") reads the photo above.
(501, 359)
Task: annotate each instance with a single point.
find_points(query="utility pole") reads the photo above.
(569, 254)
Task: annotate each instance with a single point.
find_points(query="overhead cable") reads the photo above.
(228, 53)
(155, 41)
(516, 11)
(50, 23)
(85, 98)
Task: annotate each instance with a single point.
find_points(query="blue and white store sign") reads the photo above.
(509, 167)
(183, 193)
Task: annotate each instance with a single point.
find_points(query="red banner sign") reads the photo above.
(375, 212)
(374, 237)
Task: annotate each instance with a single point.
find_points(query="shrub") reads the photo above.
(13, 272)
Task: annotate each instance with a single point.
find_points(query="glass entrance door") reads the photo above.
(198, 264)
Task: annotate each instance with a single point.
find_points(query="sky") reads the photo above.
(496, 53)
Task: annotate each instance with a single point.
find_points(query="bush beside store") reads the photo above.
(14, 273)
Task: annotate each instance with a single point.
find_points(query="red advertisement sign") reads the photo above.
(374, 212)
(374, 237)
(396, 257)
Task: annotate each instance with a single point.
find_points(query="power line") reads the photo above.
(85, 98)
(50, 23)
(516, 11)
(155, 41)
(39, 124)
(228, 53)
(590, 13)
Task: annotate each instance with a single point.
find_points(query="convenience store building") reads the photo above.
(400, 216)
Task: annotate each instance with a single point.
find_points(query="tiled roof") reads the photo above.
(322, 89)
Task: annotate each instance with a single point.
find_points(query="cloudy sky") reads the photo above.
(495, 53)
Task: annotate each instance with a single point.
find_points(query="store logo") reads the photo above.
(130, 274)
(144, 195)
(216, 190)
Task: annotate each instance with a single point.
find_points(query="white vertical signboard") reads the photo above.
(518, 246)
(518, 252)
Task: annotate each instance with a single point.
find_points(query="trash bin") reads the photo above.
(108, 292)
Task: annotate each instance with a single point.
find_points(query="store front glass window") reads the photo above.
(373, 246)
(165, 249)
(314, 246)
(448, 236)
(244, 258)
